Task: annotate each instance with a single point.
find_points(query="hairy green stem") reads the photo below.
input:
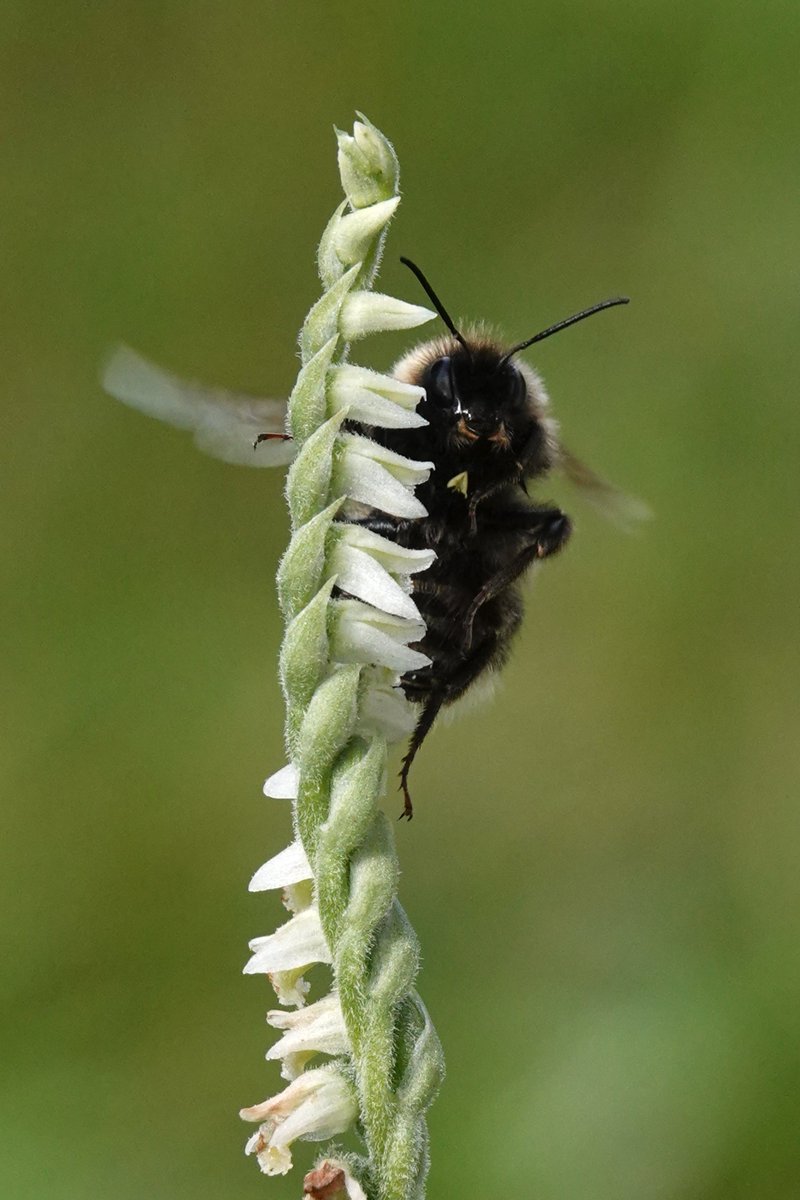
(396, 1058)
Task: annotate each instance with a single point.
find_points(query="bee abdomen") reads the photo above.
(459, 655)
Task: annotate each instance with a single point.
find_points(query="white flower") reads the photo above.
(283, 784)
(291, 871)
(364, 634)
(376, 570)
(371, 312)
(289, 867)
(317, 1105)
(384, 708)
(360, 575)
(379, 477)
(317, 1029)
(375, 399)
(297, 943)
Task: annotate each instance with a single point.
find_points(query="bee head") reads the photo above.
(473, 388)
(475, 396)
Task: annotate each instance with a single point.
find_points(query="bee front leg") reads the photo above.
(388, 527)
(478, 497)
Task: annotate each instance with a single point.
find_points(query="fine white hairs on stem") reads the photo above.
(351, 625)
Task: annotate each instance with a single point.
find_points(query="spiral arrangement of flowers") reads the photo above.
(345, 593)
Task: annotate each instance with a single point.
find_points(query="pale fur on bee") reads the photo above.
(483, 338)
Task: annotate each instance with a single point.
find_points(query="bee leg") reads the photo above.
(483, 494)
(386, 526)
(550, 530)
(421, 731)
(553, 534)
(550, 525)
(271, 437)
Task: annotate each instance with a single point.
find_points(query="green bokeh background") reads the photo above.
(604, 865)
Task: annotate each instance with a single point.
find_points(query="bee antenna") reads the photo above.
(435, 301)
(573, 320)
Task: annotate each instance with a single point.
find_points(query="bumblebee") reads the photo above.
(490, 435)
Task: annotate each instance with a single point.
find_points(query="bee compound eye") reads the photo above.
(439, 382)
(519, 388)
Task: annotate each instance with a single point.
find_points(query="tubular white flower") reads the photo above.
(376, 570)
(317, 1029)
(359, 574)
(365, 634)
(379, 477)
(317, 1105)
(374, 399)
(290, 866)
(399, 560)
(369, 312)
(298, 943)
(384, 708)
(283, 784)
(349, 377)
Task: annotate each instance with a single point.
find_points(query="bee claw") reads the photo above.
(408, 808)
(271, 437)
(554, 536)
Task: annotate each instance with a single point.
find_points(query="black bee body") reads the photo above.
(488, 435)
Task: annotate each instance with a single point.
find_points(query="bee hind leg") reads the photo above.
(421, 731)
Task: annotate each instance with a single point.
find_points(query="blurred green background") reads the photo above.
(603, 868)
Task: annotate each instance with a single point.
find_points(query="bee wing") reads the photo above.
(624, 510)
(224, 424)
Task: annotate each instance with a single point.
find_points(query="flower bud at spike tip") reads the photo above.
(367, 165)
